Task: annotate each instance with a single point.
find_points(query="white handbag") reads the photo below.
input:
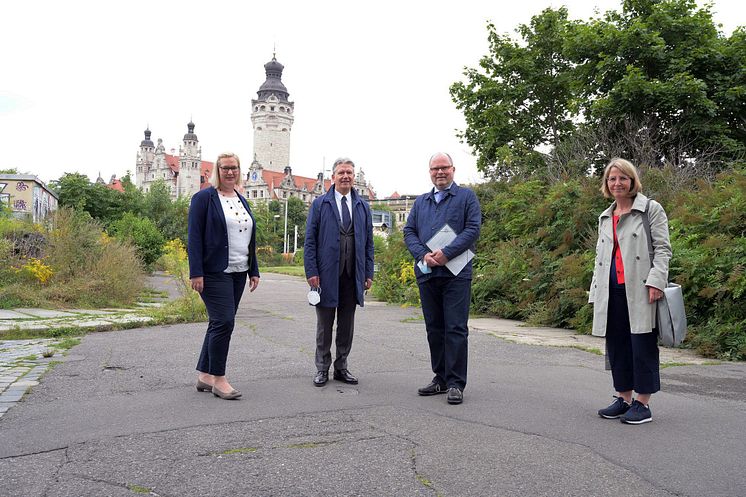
(671, 315)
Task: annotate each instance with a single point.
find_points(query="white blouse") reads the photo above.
(239, 226)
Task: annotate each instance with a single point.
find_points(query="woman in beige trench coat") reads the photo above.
(625, 289)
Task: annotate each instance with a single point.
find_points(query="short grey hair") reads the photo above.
(342, 160)
(450, 159)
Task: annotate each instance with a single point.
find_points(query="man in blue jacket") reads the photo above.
(445, 295)
(338, 259)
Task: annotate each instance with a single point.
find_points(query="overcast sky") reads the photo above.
(80, 80)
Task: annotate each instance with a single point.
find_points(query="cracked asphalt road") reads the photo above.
(121, 417)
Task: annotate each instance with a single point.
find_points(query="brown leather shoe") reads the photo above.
(203, 387)
(232, 395)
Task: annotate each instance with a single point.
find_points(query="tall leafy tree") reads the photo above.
(657, 72)
(73, 190)
(520, 98)
(664, 65)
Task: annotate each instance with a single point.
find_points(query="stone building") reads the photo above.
(272, 118)
(268, 177)
(185, 173)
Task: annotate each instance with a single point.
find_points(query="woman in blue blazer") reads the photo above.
(222, 254)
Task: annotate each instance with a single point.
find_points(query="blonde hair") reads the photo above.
(215, 177)
(626, 168)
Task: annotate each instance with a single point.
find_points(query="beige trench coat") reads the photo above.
(638, 274)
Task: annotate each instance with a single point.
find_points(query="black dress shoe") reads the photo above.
(344, 376)
(321, 378)
(455, 396)
(433, 388)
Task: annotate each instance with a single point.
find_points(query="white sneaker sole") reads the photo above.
(640, 422)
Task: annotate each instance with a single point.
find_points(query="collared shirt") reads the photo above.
(440, 194)
(338, 197)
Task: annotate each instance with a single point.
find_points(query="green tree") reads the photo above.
(142, 233)
(170, 216)
(133, 199)
(73, 190)
(521, 97)
(664, 65)
(658, 72)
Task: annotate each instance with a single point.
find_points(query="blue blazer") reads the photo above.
(321, 248)
(460, 210)
(207, 244)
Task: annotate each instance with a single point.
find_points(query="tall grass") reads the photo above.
(88, 268)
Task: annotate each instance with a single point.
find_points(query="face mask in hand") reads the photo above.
(424, 267)
(314, 296)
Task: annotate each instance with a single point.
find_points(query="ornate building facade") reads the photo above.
(268, 177)
(185, 173)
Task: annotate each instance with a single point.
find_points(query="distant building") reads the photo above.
(113, 184)
(27, 196)
(381, 221)
(268, 177)
(185, 174)
(399, 205)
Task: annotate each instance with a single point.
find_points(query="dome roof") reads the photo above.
(190, 136)
(273, 83)
(147, 142)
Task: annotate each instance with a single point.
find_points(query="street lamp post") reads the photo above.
(285, 236)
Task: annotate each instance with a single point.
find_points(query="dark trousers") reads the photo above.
(635, 364)
(445, 306)
(345, 314)
(221, 295)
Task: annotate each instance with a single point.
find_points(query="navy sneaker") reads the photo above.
(616, 409)
(637, 414)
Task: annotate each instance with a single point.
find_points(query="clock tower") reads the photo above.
(272, 118)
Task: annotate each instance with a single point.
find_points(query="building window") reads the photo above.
(253, 193)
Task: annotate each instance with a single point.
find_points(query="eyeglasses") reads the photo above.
(440, 169)
(228, 169)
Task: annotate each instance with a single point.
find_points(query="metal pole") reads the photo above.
(295, 241)
(285, 238)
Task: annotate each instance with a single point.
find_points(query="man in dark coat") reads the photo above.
(443, 270)
(338, 259)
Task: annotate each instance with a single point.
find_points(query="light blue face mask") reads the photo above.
(424, 268)
(314, 296)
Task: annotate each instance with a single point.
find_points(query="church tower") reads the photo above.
(144, 160)
(190, 158)
(272, 118)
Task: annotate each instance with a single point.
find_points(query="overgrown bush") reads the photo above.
(189, 305)
(536, 252)
(141, 232)
(76, 265)
(394, 279)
